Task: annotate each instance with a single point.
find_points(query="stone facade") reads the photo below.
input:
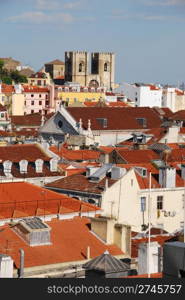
(102, 68)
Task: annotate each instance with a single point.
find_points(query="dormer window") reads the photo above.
(54, 164)
(23, 165)
(39, 165)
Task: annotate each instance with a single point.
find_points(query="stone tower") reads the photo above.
(76, 67)
(102, 68)
(103, 64)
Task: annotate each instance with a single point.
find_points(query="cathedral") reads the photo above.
(95, 70)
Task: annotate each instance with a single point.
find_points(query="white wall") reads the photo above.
(143, 95)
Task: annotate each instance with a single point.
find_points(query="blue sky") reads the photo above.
(146, 35)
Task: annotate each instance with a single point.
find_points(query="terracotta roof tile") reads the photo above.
(80, 182)
(118, 118)
(70, 239)
(30, 152)
(21, 199)
(76, 154)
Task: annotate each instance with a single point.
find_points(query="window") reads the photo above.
(32, 95)
(40, 102)
(143, 203)
(32, 111)
(2, 115)
(47, 102)
(75, 99)
(40, 96)
(40, 111)
(60, 124)
(136, 99)
(159, 202)
(32, 102)
(132, 182)
(25, 103)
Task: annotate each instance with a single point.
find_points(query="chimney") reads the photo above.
(154, 258)
(117, 173)
(6, 266)
(21, 269)
(167, 177)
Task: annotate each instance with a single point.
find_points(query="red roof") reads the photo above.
(118, 118)
(35, 89)
(179, 115)
(20, 199)
(7, 89)
(70, 239)
(30, 152)
(80, 182)
(76, 154)
(158, 134)
(137, 156)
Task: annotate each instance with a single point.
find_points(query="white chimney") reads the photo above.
(6, 266)
(117, 173)
(167, 177)
(154, 259)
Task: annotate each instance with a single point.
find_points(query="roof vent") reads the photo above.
(33, 231)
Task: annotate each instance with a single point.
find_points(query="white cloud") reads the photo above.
(39, 17)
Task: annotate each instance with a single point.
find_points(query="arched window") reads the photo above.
(81, 67)
(106, 67)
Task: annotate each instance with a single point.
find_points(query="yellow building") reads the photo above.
(72, 97)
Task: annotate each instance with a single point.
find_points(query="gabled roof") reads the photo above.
(179, 115)
(80, 182)
(29, 120)
(70, 239)
(118, 118)
(106, 263)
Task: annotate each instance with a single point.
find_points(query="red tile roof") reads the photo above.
(35, 89)
(158, 134)
(30, 152)
(118, 118)
(7, 89)
(179, 115)
(70, 239)
(29, 120)
(79, 182)
(55, 62)
(137, 156)
(76, 154)
(20, 199)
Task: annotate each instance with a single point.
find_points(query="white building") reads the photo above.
(173, 98)
(143, 94)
